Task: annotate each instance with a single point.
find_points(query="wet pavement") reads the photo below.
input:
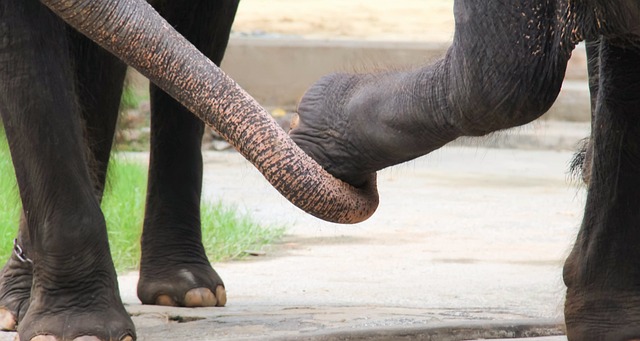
(468, 243)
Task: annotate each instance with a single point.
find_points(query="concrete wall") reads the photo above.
(278, 71)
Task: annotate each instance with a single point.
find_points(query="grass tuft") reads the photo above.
(123, 208)
(226, 232)
(10, 206)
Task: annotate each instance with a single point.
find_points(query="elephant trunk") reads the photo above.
(133, 31)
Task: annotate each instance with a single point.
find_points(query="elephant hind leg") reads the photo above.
(99, 78)
(174, 268)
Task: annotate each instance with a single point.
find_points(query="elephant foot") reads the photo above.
(96, 325)
(184, 285)
(15, 289)
(93, 313)
(595, 315)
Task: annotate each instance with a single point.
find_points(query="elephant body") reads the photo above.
(504, 68)
(60, 95)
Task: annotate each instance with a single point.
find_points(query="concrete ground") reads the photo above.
(468, 243)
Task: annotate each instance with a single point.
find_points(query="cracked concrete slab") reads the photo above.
(465, 235)
(467, 240)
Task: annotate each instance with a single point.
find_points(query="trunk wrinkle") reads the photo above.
(133, 31)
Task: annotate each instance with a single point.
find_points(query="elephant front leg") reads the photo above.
(100, 78)
(174, 269)
(602, 273)
(74, 292)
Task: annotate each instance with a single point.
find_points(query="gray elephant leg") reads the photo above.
(174, 269)
(99, 77)
(504, 69)
(73, 275)
(99, 82)
(602, 272)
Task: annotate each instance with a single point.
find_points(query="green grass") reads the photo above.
(133, 96)
(220, 226)
(226, 233)
(123, 207)
(10, 206)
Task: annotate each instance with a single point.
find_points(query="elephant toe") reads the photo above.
(186, 286)
(221, 295)
(200, 297)
(203, 297)
(165, 300)
(197, 297)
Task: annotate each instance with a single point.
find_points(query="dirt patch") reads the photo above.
(406, 20)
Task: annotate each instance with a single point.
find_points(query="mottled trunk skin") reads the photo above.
(134, 32)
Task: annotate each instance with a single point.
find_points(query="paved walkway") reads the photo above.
(461, 236)
(468, 243)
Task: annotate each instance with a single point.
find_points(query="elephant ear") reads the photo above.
(134, 32)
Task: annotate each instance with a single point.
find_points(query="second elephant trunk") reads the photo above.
(133, 31)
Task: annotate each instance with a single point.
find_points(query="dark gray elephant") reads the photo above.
(505, 68)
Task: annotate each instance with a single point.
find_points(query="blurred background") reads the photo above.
(376, 20)
(278, 48)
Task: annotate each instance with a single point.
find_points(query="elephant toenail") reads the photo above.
(166, 301)
(44, 338)
(200, 297)
(221, 295)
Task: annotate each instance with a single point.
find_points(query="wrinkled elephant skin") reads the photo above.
(504, 68)
(61, 75)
